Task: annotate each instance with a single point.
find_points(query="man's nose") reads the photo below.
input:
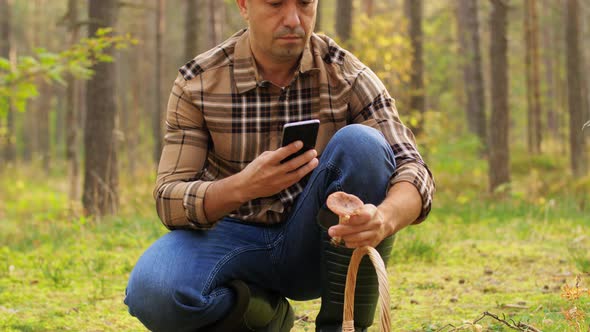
(291, 15)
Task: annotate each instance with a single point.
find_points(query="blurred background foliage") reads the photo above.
(65, 255)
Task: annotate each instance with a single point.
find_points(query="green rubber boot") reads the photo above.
(334, 267)
(255, 310)
(268, 312)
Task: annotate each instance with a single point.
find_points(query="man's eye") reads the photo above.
(275, 4)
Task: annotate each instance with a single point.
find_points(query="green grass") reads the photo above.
(60, 271)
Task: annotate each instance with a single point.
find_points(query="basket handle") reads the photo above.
(348, 316)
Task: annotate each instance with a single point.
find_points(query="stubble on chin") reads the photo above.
(287, 54)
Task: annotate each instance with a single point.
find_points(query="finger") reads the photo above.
(368, 238)
(310, 166)
(285, 151)
(298, 174)
(342, 230)
(300, 161)
(353, 245)
(363, 215)
(359, 237)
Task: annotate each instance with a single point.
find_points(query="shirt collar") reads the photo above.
(245, 71)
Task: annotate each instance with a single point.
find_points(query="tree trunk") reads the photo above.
(58, 129)
(585, 17)
(10, 135)
(549, 92)
(134, 135)
(100, 168)
(561, 77)
(369, 7)
(318, 18)
(216, 15)
(32, 107)
(413, 10)
(499, 162)
(30, 130)
(72, 128)
(157, 114)
(192, 28)
(575, 98)
(43, 119)
(7, 140)
(344, 20)
(140, 97)
(469, 43)
(44, 107)
(532, 77)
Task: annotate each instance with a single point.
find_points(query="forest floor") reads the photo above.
(521, 260)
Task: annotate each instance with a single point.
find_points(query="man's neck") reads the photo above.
(279, 73)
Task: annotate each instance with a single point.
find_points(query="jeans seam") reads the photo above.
(219, 292)
(300, 197)
(228, 257)
(334, 168)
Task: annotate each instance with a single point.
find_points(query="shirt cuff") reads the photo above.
(194, 204)
(420, 176)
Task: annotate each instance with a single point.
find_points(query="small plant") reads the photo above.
(55, 271)
(575, 313)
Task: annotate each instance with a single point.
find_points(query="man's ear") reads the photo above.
(243, 5)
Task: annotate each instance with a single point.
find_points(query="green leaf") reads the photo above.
(20, 105)
(4, 64)
(3, 106)
(18, 81)
(101, 32)
(56, 76)
(104, 58)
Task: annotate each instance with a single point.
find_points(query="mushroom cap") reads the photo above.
(343, 204)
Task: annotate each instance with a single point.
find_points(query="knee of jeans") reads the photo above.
(162, 306)
(364, 143)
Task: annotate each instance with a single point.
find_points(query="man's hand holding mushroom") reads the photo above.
(365, 227)
(366, 224)
(359, 224)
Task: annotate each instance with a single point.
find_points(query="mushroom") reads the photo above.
(343, 205)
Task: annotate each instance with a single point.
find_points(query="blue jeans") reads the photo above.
(179, 283)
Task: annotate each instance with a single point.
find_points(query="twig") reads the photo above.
(480, 318)
(446, 326)
(520, 326)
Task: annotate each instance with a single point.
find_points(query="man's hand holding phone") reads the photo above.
(277, 170)
(304, 131)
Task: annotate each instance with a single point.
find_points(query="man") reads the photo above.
(245, 235)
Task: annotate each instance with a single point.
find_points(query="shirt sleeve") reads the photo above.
(179, 192)
(370, 104)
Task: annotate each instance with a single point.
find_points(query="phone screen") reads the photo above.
(305, 131)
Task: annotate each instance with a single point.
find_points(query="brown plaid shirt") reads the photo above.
(221, 115)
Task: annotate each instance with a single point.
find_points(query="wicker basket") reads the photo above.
(357, 255)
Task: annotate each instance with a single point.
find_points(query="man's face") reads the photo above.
(279, 29)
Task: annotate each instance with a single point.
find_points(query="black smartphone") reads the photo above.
(305, 131)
